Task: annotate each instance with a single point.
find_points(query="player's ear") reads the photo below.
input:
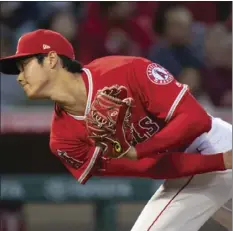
(53, 59)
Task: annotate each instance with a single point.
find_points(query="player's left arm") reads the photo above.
(172, 102)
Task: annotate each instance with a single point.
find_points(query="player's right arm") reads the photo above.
(169, 101)
(167, 165)
(85, 161)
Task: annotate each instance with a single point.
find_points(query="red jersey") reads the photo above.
(159, 101)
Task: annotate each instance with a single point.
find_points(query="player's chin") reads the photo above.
(33, 94)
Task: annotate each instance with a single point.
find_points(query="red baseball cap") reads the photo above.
(36, 42)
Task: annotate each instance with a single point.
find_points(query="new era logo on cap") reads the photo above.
(45, 46)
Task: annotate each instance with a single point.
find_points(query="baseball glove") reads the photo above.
(109, 121)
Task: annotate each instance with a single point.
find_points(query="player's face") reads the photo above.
(33, 78)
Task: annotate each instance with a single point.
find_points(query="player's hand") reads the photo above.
(227, 158)
(131, 154)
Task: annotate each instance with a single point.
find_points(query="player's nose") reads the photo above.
(20, 78)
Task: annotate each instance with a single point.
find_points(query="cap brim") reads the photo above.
(8, 65)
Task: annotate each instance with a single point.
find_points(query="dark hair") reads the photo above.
(70, 65)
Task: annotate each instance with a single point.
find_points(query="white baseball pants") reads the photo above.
(185, 204)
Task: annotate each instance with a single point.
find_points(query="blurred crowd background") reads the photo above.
(193, 40)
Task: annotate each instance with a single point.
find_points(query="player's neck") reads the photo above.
(69, 92)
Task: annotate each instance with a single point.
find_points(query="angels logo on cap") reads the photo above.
(158, 75)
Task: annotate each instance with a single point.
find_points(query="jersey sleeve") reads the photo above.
(160, 92)
(79, 158)
(169, 101)
(163, 166)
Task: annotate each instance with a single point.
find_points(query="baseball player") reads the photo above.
(127, 116)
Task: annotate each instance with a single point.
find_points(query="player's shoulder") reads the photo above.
(109, 63)
(113, 65)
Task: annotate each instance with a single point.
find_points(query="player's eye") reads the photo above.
(24, 62)
(20, 67)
